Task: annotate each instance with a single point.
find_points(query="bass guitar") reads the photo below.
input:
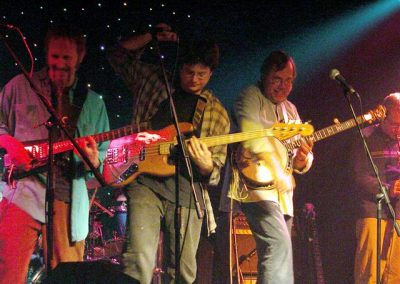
(149, 152)
(257, 173)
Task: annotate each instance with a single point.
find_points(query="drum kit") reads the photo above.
(107, 231)
(104, 242)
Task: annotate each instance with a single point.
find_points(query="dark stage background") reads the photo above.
(360, 38)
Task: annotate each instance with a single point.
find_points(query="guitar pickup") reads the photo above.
(130, 171)
(116, 155)
(142, 154)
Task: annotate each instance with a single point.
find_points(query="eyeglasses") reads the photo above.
(199, 75)
(278, 81)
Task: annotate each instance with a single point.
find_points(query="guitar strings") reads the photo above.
(40, 151)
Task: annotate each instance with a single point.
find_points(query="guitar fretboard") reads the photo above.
(41, 149)
(236, 137)
(282, 131)
(326, 132)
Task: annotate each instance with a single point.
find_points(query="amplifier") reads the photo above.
(245, 246)
(240, 225)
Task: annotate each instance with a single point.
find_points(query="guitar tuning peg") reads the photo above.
(336, 120)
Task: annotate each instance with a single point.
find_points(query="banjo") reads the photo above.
(257, 173)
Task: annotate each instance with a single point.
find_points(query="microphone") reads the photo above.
(335, 75)
(8, 26)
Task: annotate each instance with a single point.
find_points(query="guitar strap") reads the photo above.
(281, 113)
(198, 113)
(196, 121)
(284, 114)
(80, 95)
(71, 110)
(64, 166)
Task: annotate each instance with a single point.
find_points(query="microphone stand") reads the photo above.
(53, 122)
(182, 152)
(382, 196)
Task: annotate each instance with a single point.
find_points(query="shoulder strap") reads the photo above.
(80, 94)
(198, 113)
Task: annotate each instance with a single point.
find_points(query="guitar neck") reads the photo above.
(211, 141)
(235, 137)
(328, 131)
(281, 131)
(114, 134)
(40, 150)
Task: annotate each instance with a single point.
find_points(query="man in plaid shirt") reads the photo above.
(151, 198)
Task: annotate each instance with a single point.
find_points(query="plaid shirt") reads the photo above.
(145, 82)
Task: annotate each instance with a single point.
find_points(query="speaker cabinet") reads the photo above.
(245, 246)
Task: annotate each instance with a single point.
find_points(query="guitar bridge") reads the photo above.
(142, 154)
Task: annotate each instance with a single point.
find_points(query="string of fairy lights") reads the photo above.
(103, 22)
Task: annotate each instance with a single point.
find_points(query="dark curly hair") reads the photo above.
(202, 51)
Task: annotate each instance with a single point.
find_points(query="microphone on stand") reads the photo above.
(8, 26)
(335, 75)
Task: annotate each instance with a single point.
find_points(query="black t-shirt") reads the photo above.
(185, 104)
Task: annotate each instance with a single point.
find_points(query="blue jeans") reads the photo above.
(273, 241)
(148, 214)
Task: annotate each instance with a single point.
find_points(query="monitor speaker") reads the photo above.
(96, 272)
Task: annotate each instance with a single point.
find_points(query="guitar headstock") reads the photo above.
(376, 114)
(283, 131)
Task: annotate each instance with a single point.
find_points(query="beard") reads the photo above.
(61, 78)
